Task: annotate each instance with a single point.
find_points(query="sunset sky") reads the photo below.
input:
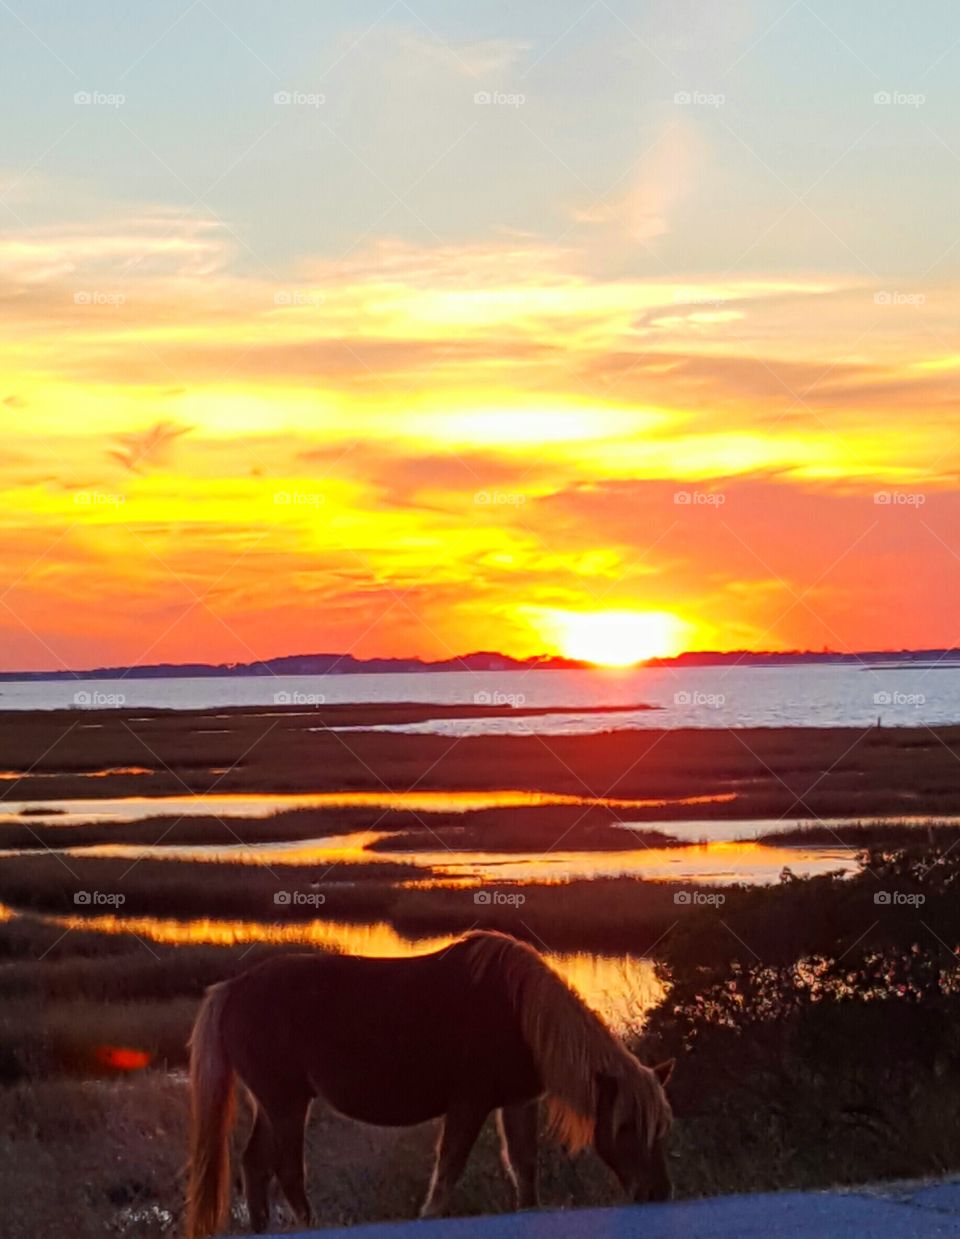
(413, 329)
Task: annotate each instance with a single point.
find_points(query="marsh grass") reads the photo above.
(109, 1155)
(774, 772)
(861, 835)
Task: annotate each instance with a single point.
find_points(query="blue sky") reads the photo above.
(400, 147)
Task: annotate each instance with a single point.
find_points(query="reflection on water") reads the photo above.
(135, 808)
(622, 987)
(14, 776)
(713, 861)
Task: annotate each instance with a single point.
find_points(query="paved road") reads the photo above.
(910, 1213)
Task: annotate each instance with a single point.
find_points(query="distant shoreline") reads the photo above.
(346, 664)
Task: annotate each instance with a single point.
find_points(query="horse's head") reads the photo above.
(632, 1122)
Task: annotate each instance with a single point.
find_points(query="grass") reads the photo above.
(773, 771)
(605, 914)
(108, 1156)
(862, 834)
(81, 886)
(527, 831)
(512, 830)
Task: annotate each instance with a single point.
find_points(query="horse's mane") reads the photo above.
(570, 1043)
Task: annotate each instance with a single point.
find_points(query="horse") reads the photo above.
(483, 1025)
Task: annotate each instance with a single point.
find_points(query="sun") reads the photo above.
(615, 638)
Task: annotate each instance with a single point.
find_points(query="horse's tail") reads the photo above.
(211, 1118)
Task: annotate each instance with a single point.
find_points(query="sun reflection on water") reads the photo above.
(623, 987)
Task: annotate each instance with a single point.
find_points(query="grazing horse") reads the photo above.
(483, 1025)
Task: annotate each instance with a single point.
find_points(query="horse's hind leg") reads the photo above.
(458, 1133)
(258, 1171)
(518, 1135)
(288, 1124)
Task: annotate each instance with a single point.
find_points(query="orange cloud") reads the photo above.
(416, 449)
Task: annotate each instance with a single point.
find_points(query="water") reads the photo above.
(807, 695)
(59, 812)
(622, 986)
(717, 862)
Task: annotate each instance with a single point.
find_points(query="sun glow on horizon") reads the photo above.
(616, 638)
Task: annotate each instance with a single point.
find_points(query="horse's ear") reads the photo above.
(663, 1071)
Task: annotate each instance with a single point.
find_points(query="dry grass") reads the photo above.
(774, 771)
(81, 1159)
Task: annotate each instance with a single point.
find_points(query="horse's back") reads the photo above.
(390, 1041)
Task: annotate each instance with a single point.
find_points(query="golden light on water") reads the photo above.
(623, 987)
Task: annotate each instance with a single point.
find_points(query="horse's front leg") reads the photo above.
(459, 1129)
(518, 1150)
